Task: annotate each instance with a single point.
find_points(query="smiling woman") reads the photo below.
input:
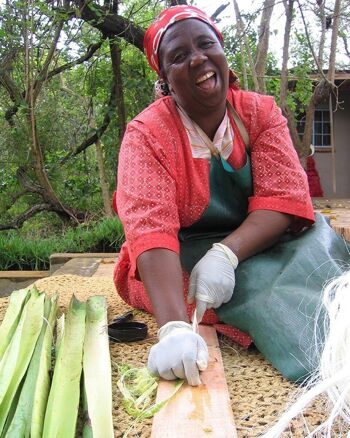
(210, 191)
(201, 89)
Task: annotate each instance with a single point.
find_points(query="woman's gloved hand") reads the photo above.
(212, 279)
(180, 353)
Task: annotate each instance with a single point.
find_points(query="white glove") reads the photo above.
(212, 279)
(180, 353)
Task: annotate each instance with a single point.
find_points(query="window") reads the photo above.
(321, 132)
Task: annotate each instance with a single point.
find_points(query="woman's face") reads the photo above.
(194, 65)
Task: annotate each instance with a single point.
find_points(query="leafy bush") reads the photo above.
(19, 253)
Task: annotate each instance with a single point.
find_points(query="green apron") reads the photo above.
(278, 292)
(227, 209)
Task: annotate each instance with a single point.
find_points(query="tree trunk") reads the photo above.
(240, 26)
(323, 33)
(289, 7)
(103, 180)
(244, 68)
(106, 198)
(101, 170)
(46, 190)
(263, 44)
(325, 86)
(116, 61)
(334, 39)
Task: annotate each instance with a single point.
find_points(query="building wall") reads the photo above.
(324, 160)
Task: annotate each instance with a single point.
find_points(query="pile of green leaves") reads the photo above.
(18, 252)
(32, 404)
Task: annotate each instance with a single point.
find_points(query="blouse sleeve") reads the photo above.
(280, 182)
(146, 195)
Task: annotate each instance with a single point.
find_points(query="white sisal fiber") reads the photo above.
(333, 375)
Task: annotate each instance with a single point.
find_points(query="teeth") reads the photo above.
(205, 77)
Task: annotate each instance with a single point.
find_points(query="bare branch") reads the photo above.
(334, 40)
(220, 9)
(6, 80)
(319, 68)
(98, 133)
(289, 8)
(32, 211)
(16, 96)
(345, 42)
(91, 51)
(323, 33)
(55, 205)
(177, 2)
(115, 52)
(43, 74)
(240, 28)
(27, 183)
(110, 23)
(263, 42)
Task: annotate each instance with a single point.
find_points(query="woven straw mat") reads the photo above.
(258, 393)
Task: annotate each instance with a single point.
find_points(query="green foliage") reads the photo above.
(33, 252)
(302, 65)
(235, 58)
(66, 101)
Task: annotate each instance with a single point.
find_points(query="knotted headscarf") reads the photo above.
(165, 19)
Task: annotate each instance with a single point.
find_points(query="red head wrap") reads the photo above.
(165, 19)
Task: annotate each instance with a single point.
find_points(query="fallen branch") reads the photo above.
(65, 213)
(18, 222)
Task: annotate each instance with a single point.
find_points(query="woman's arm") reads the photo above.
(260, 230)
(180, 352)
(213, 279)
(161, 274)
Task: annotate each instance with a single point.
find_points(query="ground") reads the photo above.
(330, 203)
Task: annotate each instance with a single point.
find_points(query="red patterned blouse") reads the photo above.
(162, 188)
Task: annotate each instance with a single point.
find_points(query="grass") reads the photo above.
(18, 252)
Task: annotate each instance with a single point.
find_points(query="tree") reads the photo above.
(29, 75)
(94, 47)
(307, 93)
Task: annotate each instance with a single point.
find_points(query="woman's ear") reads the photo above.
(166, 90)
(163, 83)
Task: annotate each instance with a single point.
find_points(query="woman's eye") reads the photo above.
(206, 44)
(179, 57)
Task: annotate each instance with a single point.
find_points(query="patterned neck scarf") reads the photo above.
(202, 146)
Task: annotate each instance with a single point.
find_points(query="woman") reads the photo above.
(207, 179)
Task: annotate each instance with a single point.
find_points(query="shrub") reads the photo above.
(18, 252)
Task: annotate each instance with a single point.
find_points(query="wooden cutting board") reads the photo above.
(198, 412)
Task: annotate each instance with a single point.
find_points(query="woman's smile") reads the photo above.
(207, 81)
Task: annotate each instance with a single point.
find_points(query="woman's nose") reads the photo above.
(197, 58)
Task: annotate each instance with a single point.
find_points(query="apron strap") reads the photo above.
(239, 123)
